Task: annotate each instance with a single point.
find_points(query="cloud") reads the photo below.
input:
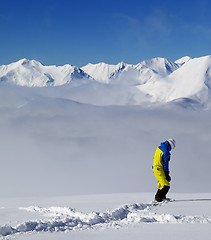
(143, 29)
(128, 25)
(202, 29)
(158, 22)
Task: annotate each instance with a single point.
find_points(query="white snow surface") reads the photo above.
(130, 217)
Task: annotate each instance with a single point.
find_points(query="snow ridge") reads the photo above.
(67, 219)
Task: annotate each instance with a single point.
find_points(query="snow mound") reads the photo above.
(67, 219)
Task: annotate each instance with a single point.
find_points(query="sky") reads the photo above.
(80, 32)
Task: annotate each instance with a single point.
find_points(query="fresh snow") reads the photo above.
(186, 209)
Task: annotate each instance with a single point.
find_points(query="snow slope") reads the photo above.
(132, 218)
(192, 81)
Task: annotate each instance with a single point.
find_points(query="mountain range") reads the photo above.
(155, 80)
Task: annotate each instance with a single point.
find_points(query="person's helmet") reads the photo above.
(172, 143)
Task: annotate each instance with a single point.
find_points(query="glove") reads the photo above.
(168, 178)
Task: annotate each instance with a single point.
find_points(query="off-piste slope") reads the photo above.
(65, 219)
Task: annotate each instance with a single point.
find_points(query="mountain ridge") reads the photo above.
(150, 81)
(32, 73)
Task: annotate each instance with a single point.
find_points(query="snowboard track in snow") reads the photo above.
(67, 219)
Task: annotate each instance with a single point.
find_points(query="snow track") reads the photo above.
(67, 219)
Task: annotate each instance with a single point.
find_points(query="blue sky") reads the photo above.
(79, 32)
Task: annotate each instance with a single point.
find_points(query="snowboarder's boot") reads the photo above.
(158, 197)
(164, 191)
(161, 194)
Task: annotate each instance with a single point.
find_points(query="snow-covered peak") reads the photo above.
(26, 62)
(159, 65)
(183, 60)
(32, 73)
(103, 72)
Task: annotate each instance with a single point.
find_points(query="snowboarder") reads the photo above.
(161, 168)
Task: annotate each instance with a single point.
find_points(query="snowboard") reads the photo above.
(156, 203)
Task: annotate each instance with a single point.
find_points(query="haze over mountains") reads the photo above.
(186, 81)
(56, 141)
